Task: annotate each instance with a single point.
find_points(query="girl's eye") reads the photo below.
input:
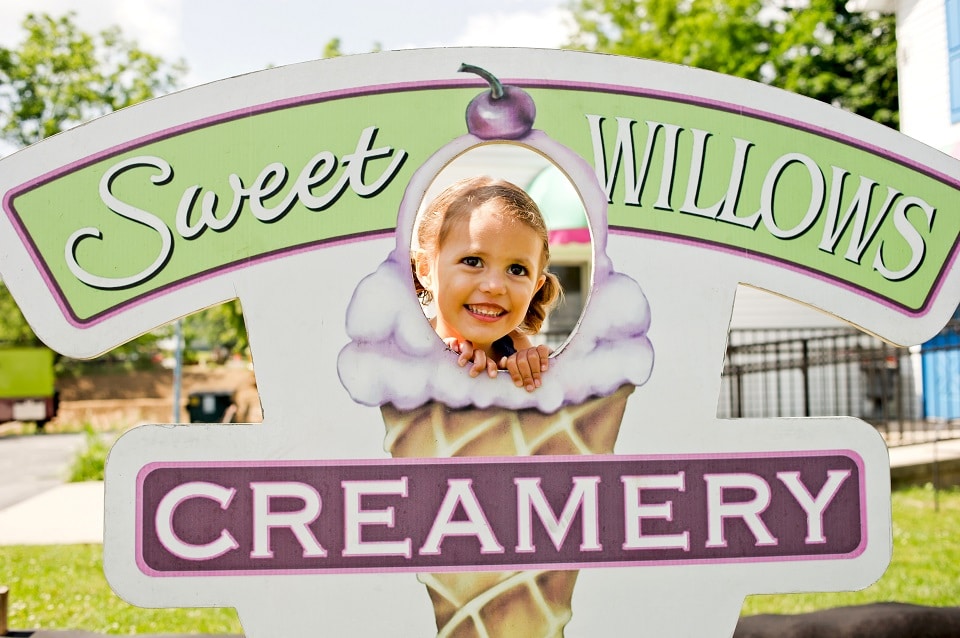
(517, 270)
(473, 262)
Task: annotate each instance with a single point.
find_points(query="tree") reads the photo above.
(219, 327)
(60, 77)
(727, 36)
(853, 63)
(332, 48)
(14, 329)
(816, 48)
(57, 78)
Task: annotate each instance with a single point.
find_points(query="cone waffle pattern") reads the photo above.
(525, 604)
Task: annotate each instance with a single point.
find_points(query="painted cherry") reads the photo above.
(503, 112)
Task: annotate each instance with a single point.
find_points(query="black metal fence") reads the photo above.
(908, 394)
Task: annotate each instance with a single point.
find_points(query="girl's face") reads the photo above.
(483, 276)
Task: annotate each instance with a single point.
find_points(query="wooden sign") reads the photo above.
(399, 484)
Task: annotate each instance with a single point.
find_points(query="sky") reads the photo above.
(223, 38)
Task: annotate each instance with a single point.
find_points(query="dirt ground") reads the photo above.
(123, 400)
(150, 384)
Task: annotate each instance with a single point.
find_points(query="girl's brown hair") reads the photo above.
(460, 199)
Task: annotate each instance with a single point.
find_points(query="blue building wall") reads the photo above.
(941, 373)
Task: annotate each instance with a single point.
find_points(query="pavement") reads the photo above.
(32, 464)
(38, 508)
(918, 454)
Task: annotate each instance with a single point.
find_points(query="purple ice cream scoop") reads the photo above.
(503, 112)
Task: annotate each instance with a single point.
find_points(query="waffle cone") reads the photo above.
(434, 430)
(496, 604)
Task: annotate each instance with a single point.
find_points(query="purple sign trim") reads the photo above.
(69, 314)
(475, 514)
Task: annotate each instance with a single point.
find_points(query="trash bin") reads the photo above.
(208, 407)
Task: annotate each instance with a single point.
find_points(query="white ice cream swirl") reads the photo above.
(396, 357)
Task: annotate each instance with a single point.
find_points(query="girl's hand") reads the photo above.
(477, 358)
(526, 366)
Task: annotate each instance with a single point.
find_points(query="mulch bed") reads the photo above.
(877, 620)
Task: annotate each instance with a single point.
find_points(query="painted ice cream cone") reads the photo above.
(434, 430)
(530, 603)
(432, 407)
(475, 604)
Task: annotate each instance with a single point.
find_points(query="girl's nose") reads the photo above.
(493, 284)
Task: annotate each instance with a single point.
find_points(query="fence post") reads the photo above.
(4, 594)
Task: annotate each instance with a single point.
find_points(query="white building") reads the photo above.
(928, 68)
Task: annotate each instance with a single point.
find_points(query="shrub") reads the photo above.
(90, 462)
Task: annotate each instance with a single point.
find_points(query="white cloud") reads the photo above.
(549, 28)
(222, 38)
(153, 24)
(94, 15)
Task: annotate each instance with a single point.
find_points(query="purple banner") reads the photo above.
(504, 513)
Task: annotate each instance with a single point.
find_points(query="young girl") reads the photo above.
(482, 259)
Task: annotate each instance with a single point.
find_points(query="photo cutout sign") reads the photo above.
(444, 449)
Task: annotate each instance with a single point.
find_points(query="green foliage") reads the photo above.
(90, 462)
(332, 48)
(852, 64)
(14, 329)
(722, 36)
(220, 326)
(60, 77)
(63, 587)
(818, 49)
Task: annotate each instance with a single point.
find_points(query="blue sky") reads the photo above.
(223, 38)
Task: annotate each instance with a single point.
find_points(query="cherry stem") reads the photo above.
(496, 88)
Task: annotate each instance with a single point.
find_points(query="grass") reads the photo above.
(63, 587)
(924, 570)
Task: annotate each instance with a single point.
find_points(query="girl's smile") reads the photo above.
(484, 275)
(486, 312)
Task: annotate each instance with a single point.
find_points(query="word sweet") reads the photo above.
(838, 216)
(562, 512)
(190, 224)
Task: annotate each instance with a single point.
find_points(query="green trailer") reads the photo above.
(27, 385)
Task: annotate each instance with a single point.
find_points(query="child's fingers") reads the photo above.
(521, 372)
(544, 353)
(510, 365)
(479, 363)
(465, 348)
(452, 344)
(530, 368)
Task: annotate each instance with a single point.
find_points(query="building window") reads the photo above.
(953, 56)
